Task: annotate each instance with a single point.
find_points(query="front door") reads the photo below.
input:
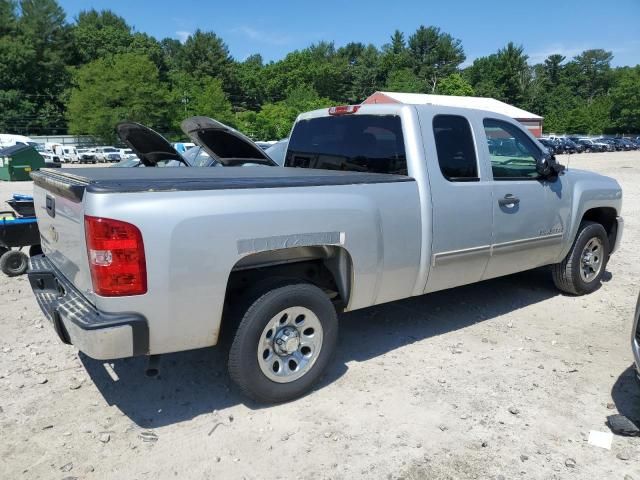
(528, 212)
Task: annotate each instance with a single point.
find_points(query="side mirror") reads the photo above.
(547, 166)
(543, 164)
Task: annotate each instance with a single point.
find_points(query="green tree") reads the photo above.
(205, 54)
(404, 80)
(251, 83)
(115, 88)
(435, 55)
(199, 96)
(625, 101)
(455, 84)
(274, 120)
(36, 56)
(553, 69)
(97, 34)
(590, 74)
(504, 75)
(317, 66)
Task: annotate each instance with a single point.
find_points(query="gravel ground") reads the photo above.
(503, 379)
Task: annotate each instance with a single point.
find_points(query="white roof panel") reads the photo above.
(480, 103)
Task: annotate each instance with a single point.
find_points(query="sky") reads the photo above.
(274, 28)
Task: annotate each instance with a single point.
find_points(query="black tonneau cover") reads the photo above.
(72, 183)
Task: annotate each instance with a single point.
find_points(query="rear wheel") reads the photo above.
(14, 263)
(582, 269)
(284, 342)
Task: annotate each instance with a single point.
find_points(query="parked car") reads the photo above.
(51, 160)
(278, 150)
(128, 163)
(127, 154)
(549, 144)
(66, 153)
(612, 146)
(376, 203)
(564, 145)
(107, 154)
(182, 147)
(591, 145)
(629, 145)
(265, 145)
(84, 155)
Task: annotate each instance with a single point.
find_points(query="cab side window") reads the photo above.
(455, 148)
(513, 154)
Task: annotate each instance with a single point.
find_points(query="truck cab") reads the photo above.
(488, 208)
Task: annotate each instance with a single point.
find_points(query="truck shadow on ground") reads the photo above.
(626, 394)
(196, 382)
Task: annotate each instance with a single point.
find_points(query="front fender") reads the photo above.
(590, 191)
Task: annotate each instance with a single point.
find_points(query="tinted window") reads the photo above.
(360, 143)
(456, 152)
(513, 154)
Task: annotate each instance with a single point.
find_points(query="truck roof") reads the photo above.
(399, 109)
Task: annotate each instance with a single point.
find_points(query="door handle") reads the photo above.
(508, 201)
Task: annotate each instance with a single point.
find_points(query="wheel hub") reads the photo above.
(591, 260)
(286, 341)
(290, 344)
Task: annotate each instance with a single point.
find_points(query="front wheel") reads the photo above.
(284, 342)
(582, 269)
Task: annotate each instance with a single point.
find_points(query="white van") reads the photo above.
(9, 140)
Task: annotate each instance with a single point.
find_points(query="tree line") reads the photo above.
(83, 76)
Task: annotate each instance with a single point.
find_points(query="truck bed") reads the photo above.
(73, 183)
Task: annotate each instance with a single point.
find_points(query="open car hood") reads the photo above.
(223, 143)
(148, 145)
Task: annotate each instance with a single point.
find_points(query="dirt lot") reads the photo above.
(503, 379)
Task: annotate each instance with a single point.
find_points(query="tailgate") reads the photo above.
(59, 209)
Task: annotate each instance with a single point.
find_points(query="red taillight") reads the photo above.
(343, 109)
(116, 257)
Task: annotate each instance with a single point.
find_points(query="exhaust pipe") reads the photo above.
(153, 366)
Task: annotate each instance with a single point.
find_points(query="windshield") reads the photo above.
(360, 143)
(109, 150)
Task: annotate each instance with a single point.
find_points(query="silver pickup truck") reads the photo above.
(375, 203)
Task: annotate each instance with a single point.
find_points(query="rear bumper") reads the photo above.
(98, 334)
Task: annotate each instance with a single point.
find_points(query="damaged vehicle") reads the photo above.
(215, 144)
(375, 203)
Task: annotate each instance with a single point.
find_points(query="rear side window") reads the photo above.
(455, 147)
(359, 143)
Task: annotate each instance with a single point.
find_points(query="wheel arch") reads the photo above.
(605, 216)
(329, 267)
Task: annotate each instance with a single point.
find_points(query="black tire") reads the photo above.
(244, 368)
(621, 425)
(566, 274)
(14, 263)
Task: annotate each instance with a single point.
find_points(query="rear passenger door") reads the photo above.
(461, 202)
(529, 212)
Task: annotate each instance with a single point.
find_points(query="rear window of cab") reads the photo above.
(358, 143)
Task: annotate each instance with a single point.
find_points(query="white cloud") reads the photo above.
(260, 36)
(183, 35)
(569, 52)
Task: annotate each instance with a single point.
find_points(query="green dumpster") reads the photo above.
(17, 161)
